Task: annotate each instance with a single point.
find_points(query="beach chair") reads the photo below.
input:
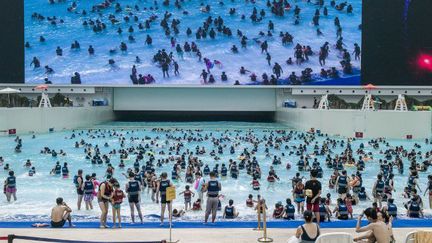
(335, 238)
(419, 236)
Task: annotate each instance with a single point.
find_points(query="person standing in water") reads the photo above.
(199, 183)
(163, 184)
(88, 188)
(133, 191)
(10, 186)
(212, 187)
(313, 194)
(104, 197)
(78, 181)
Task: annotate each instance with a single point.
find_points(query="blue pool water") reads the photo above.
(37, 194)
(94, 69)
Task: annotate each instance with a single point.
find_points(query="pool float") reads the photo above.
(203, 9)
(241, 157)
(350, 165)
(353, 182)
(128, 9)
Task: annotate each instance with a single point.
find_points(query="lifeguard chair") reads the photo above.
(44, 102)
(401, 104)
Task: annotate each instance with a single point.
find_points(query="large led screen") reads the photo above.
(192, 42)
(397, 42)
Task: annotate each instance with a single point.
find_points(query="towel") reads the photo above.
(423, 236)
(335, 238)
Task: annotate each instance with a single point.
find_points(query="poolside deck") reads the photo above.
(210, 235)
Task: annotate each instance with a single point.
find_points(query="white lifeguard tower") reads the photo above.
(324, 103)
(401, 104)
(368, 103)
(44, 102)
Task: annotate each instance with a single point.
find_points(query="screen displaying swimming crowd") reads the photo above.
(276, 42)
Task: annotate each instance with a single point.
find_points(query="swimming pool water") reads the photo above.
(37, 194)
(95, 69)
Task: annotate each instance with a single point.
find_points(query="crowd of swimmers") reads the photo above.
(187, 166)
(214, 27)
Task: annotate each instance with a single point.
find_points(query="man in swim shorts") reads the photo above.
(60, 213)
(163, 184)
(313, 193)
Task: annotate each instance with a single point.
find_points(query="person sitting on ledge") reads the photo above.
(60, 213)
(376, 230)
(309, 231)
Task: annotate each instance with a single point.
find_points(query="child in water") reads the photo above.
(278, 212)
(255, 184)
(328, 199)
(117, 199)
(197, 205)
(188, 194)
(178, 213)
(32, 171)
(249, 201)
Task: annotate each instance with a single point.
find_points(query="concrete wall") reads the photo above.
(225, 99)
(194, 99)
(373, 124)
(41, 119)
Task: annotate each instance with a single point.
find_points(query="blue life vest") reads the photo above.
(300, 164)
(229, 212)
(342, 182)
(234, 172)
(362, 196)
(136, 165)
(206, 170)
(392, 210)
(148, 168)
(11, 182)
(320, 172)
(380, 186)
(88, 187)
(213, 188)
(414, 209)
(58, 169)
(75, 181)
(411, 182)
(322, 211)
(290, 211)
(174, 175)
(65, 171)
(224, 171)
(163, 186)
(138, 178)
(343, 210)
(133, 187)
